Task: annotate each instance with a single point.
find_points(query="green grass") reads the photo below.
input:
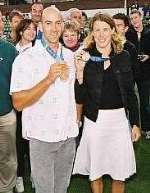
(139, 183)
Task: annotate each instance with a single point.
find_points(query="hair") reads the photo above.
(71, 11)
(122, 17)
(135, 11)
(117, 40)
(71, 26)
(15, 13)
(84, 14)
(22, 26)
(37, 3)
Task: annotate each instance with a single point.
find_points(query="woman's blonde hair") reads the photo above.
(117, 39)
(71, 26)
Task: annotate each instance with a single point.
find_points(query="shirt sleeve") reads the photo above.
(21, 76)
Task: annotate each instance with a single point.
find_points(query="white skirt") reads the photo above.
(106, 147)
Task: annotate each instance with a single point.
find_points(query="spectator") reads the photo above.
(8, 158)
(25, 38)
(71, 35)
(85, 27)
(36, 14)
(122, 24)
(146, 10)
(15, 17)
(139, 35)
(75, 14)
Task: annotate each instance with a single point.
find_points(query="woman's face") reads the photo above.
(102, 34)
(70, 38)
(30, 33)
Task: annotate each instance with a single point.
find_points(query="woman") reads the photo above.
(107, 95)
(25, 35)
(25, 39)
(71, 36)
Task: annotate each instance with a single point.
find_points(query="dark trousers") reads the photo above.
(144, 96)
(22, 149)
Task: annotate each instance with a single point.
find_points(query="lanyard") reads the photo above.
(98, 59)
(52, 52)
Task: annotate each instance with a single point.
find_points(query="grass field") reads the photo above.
(139, 183)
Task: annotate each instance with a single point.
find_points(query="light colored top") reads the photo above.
(21, 49)
(53, 117)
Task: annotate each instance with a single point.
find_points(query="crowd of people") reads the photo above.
(59, 74)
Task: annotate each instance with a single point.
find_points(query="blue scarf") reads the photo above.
(52, 52)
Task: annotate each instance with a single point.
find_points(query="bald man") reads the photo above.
(42, 87)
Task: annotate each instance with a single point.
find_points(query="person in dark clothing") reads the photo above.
(139, 35)
(106, 92)
(122, 24)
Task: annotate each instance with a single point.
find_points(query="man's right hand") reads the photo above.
(54, 73)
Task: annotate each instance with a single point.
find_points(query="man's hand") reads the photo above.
(136, 133)
(143, 58)
(54, 73)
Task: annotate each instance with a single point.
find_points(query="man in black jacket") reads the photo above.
(139, 35)
(122, 25)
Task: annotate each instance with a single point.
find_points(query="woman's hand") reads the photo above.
(136, 133)
(81, 57)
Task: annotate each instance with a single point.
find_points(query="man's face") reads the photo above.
(52, 25)
(136, 20)
(77, 16)
(120, 26)
(36, 12)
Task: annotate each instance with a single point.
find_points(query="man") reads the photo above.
(139, 35)
(8, 160)
(122, 25)
(36, 14)
(44, 90)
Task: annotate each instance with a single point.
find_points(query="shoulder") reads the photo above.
(68, 54)
(123, 55)
(123, 60)
(147, 29)
(7, 45)
(8, 51)
(130, 47)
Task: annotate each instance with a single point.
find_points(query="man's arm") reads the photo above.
(28, 97)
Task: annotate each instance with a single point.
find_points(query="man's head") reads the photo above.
(75, 14)
(121, 22)
(136, 19)
(52, 24)
(36, 11)
(15, 17)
